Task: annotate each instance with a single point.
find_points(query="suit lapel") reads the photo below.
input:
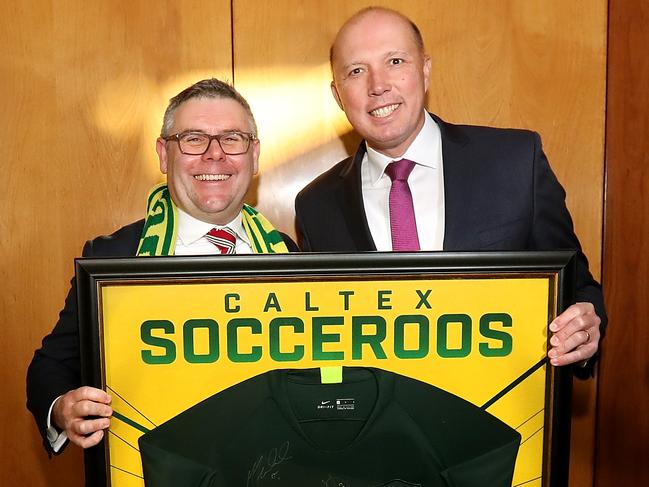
(352, 200)
(456, 177)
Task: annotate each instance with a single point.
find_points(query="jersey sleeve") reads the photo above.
(474, 447)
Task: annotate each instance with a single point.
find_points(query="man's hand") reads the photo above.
(83, 414)
(575, 335)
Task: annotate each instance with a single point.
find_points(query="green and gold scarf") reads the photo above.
(161, 228)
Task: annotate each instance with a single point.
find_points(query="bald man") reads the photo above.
(472, 188)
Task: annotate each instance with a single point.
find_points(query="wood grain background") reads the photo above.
(84, 86)
(623, 403)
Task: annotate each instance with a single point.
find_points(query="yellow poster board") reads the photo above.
(163, 344)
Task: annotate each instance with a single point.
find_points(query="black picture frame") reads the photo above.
(92, 273)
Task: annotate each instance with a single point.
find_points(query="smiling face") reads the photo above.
(380, 79)
(210, 187)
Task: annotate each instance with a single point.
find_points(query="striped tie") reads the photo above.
(223, 238)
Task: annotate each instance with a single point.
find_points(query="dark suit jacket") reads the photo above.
(500, 194)
(56, 368)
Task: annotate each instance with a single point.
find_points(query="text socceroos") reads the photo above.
(329, 339)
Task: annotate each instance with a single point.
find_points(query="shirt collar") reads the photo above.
(423, 150)
(191, 229)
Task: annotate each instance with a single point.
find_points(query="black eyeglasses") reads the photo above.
(197, 143)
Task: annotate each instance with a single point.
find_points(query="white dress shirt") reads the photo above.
(191, 236)
(190, 240)
(426, 185)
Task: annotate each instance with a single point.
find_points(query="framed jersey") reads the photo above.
(359, 370)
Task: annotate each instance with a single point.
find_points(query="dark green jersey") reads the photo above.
(286, 429)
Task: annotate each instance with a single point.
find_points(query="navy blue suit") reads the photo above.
(500, 194)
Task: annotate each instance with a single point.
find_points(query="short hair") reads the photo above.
(419, 40)
(207, 88)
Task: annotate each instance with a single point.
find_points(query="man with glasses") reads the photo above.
(209, 150)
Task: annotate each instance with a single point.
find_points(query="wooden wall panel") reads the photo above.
(623, 405)
(535, 64)
(83, 87)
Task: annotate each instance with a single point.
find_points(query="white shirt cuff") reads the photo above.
(56, 439)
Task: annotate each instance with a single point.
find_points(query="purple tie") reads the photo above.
(402, 211)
